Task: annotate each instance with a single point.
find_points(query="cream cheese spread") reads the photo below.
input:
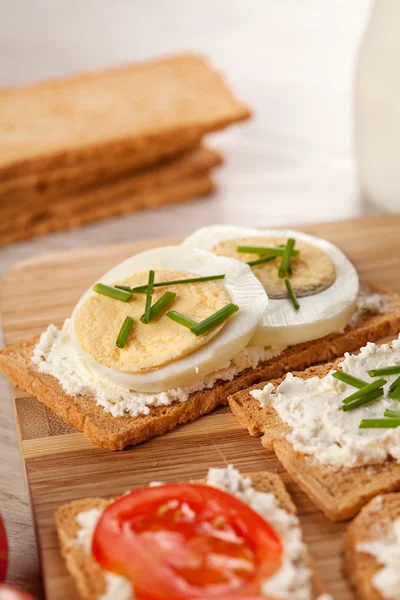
(55, 355)
(311, 407)
(293, 580)
(370, 304)
(387, 553)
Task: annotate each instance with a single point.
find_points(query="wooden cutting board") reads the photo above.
(62, 466)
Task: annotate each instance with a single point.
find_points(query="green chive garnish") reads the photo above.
(395, 394)
(364, 400)
(259, 261)
(215, 319)
(181, 319)
(142, 289)
(149, 295)
(123, 287)
(292, 295)
(393, 414)
(124, 332)
(112, 292)
(394, 385)
(349, 379)
(379, 423)
(365, 390)
(160, 305)
(287, 253)
(385, 371)
(264, 250)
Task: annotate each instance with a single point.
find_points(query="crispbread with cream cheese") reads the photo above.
(127, 110)
(115, 433)
(371, 524)
(110, 206)
(89, 577)
(339, 492)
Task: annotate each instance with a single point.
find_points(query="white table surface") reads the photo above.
(292, 61)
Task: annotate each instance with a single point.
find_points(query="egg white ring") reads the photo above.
(319, 314)
(244, 289)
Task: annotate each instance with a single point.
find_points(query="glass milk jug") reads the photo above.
(377, 110)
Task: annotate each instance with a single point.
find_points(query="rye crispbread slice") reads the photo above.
(135, 109)
(371, 524)
(339, 492)
(114, 433)
(110, 206)
(87, 573)
(199, 160)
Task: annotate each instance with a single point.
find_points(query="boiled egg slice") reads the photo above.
(162, 354)
(324, 280)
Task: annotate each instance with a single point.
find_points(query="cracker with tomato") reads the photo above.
(178, 542)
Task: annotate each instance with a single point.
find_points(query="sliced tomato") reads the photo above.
(9, 592)
(186, 541)
(3, 551)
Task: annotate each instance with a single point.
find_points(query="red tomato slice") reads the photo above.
(8, 592)
(186, 541)
(3, 551)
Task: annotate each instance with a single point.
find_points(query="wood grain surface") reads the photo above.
(61, 465)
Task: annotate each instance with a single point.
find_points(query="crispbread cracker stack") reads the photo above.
(88, 575)
(339, 492)
(371, 524)
(114, 433)
(133, 110)
(187, 164)
(70, 180)
(176, 180)
(46, 222)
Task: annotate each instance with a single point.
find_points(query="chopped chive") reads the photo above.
(160, 305)
(290, 269)
(395, 394)
(365, 390)
(124, 332)
(264, 250)
(385, 371)
(123, 287)
(349, 379)
(112, 292)
(181, 319)
(142, 289)
(379, 423)
(393, 414)
(215, 319)
(394, 385)
(149, 295)
(292, 295)
(287, 253)
(364, 400)
(259, 261)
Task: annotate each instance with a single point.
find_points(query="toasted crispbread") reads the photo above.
(194, 162)
(89, 577)
(50, 220)
(371, 524)
(101, 428)
(339, 493)
(70, 180)
(128, 110)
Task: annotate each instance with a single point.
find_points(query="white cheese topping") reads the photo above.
(293, 580)
(311, 407)
(55, 355)
(387, 553)
(370, 304)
